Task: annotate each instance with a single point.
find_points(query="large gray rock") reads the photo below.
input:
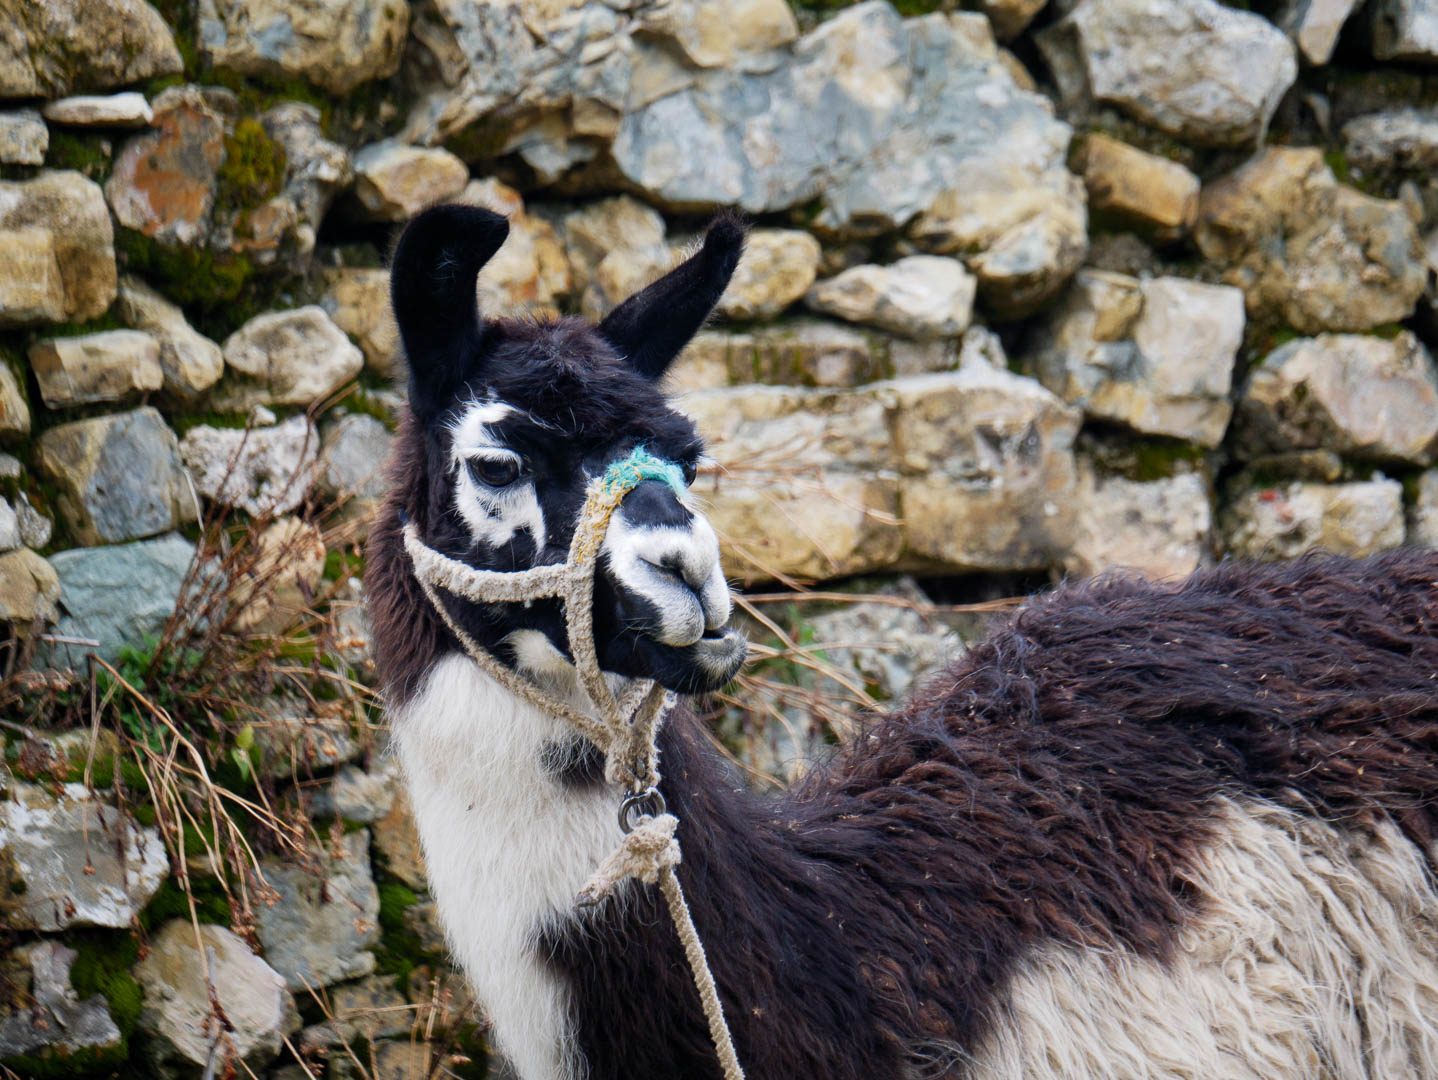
(119, 477)
(178, 1016)
(120, 595)
(24, 138)
(987, 469)
(922, 296)
(1171, 63)
(557, 76)
(189, 362)
(1344, 519)
(294, 357)
(1403, 138)
(323, 925)
(1362, 396)
(1160, 528)
(1405, 29)
(881, 120)
(59, 249)
(809, 488)
(54, 1024)
(970, 469)
(73, 860)
(333, 45)
(1314, 26)
(1308, 250)
(111, 365)
(1156, 355)
(52, 48)
(260, 471)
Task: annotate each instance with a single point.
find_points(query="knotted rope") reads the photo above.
(625, 728)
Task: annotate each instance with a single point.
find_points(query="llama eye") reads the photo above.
(494, 472)
(691, 472)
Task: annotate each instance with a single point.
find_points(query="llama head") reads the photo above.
(516, 417)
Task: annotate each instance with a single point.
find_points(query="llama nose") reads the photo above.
(669, 556)
(653, 505)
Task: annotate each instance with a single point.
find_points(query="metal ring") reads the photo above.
(647, 803)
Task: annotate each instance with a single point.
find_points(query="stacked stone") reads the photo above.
(1101, 313)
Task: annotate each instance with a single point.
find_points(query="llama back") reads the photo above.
(1179, 831)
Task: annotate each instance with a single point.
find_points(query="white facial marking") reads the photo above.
(494, 515)
(506, 847)
(676, 568)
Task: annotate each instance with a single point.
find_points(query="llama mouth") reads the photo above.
(702, 667)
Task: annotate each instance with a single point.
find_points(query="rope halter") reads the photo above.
(624, 728)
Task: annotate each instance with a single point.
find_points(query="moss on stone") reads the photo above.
(108, 321)
(87, 154)
(479, 142)
(190, 276)
(102, 966)
(89, 1061)
(253, 170)
(1116, 451)
(400, 950)
(1159, 459)
(211, 904)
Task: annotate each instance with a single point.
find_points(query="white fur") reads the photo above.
(1317, 957)
(506, 847)
(692, 598)
(493, 516)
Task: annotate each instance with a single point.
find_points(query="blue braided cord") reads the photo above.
(628, 473)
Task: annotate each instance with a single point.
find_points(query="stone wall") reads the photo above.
(1017, 299)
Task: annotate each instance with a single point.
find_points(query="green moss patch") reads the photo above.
(211, 904)
(253, 170)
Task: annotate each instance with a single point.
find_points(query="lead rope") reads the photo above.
(626, 729)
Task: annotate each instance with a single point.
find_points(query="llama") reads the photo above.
(1141, 831)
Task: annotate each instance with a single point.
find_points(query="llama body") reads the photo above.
(1139, 832)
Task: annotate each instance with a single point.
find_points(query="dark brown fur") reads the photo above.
(1053, 787)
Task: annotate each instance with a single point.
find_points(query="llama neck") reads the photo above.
(509, 840)
(769, 916)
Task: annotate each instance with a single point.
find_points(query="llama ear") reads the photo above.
(652, 326)
(432, 285)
